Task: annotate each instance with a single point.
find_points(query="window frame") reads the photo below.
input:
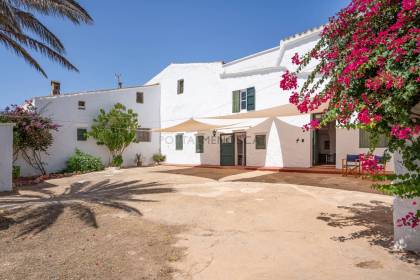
(257, 147)
(179, 146)
(81, 105)
(82, 138)
(140, 97)
(180, 86)
(143, 130)
(364, 137)
(199, 147)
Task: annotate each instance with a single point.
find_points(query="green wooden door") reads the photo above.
(227, 149)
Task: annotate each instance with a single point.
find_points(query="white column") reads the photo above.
(6, 156)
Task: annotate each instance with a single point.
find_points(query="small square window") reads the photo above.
(140, 97)
(143, 135)
(81, 105)
(179, 142)
(180, 87)
(260, 142)
(81, 134)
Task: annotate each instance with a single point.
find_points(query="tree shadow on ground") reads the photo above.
(375, 219)
(41, 208)
(206, 172)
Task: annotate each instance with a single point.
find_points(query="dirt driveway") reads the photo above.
(200, 223)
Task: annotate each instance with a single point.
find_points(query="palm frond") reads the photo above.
(8, 17)
(69, 9)
(28, 21)
(20, 51)
(43, 49)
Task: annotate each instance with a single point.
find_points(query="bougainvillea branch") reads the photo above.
(32, 134)
(367, 72)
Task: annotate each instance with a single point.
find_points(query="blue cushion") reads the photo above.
(352, 158)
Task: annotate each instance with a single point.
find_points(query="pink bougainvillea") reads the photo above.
(368, 73)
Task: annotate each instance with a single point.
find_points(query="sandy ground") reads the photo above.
(200, 223)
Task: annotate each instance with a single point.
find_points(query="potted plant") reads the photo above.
(138, 160)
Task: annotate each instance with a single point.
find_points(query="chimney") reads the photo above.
(55, 88)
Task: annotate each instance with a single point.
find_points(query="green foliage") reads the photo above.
(367, 71)
(115, 129)
(16, 172)
(82, 162)
(158, 158)
(117, 161)
(31, 134)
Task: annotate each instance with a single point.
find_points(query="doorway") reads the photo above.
(227, 149)
(240, 148)
(324, 144)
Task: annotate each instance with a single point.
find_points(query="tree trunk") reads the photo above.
(405, 237)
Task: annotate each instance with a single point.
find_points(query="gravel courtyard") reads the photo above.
(200, 223)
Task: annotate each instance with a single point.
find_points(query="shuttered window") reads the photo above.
(140, 97)
(250, 99)
(81, 134)
(236, 99)
(199, 144)
(260, 142)
(143, 135)
(243, 100)
(179, 141)
(364, 140)
(180, 87)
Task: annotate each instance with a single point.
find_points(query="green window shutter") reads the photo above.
(250, 99)
(199, 144)
(179, 141)
(260, 142)
(236, 98)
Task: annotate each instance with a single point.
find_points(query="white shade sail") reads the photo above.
(237, 121)
(191, 125)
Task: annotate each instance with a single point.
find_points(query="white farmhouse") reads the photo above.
(212, 114)
(75, 112)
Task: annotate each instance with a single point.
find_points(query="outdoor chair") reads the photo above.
(351, 164)
(381, 162)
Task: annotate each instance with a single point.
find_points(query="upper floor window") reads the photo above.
(243, 99)
(140, 97)
(143, 135)
(81, 105)
(364, 140)
(180, 87)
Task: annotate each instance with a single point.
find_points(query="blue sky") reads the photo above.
(139, 38)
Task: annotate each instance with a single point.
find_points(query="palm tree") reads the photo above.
(17, 20)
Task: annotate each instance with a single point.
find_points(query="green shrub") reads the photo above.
(117, 161)
(16, 172)
(83, 162)
(158, 158)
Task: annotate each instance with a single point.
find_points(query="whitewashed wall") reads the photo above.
(348, 143)
(208, 92)
(63, 109)
(6, 156)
